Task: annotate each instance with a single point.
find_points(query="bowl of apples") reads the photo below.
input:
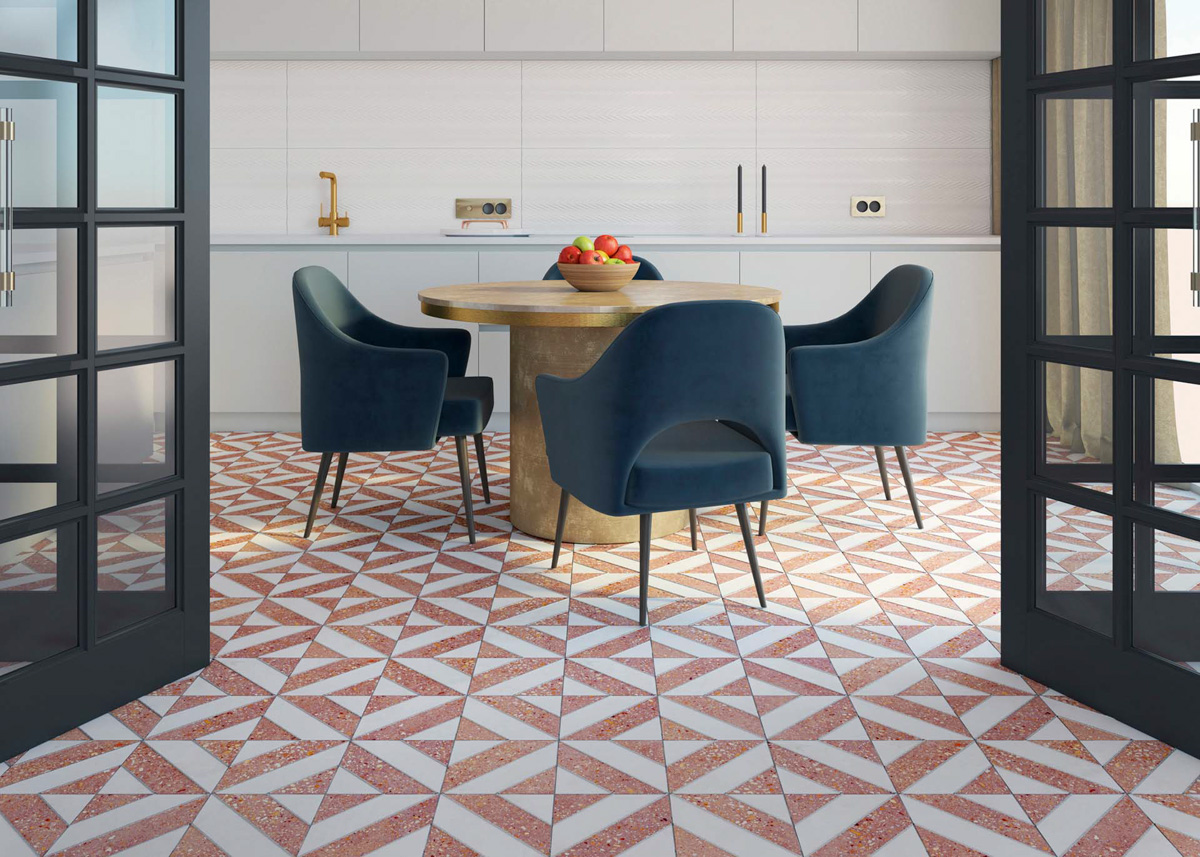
(603, 265)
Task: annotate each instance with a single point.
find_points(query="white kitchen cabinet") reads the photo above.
(263, 27)
(544, 25)
(930, 26)
(668, 25)
(698, 266)
(816, 285)
(493, 361)
(421, 25)
(824, 26)
(255, 365)
(964, 347)
(501, 266)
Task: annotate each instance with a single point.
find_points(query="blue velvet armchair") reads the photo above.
(684, 409)
(646, 272)
(368, 385)
(859, 379)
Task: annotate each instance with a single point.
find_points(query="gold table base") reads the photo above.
(567, 352)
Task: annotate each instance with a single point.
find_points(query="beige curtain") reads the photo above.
(1078, 260)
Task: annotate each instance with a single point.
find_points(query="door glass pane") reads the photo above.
(132, 564)
(1075, 266)
(1077, 577)
(135, 288)
(135, 148)
(39, 454)
(1076, 140)
(42, 320)
(40, 28)
(1075, 34)
(46, 148)
(1077, 417)
(1166, 598)
(39, 602)
(1163, 141)
(1174, 473)
(1163, 270)
(1166, 28)
(135, 425)
(136, 34)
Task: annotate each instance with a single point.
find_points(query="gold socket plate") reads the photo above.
(472, 209)
(855, 200)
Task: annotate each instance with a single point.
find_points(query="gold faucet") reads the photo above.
(333, 221)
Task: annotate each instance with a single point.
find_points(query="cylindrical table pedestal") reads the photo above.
(567, 352)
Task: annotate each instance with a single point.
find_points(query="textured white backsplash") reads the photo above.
(603, 145)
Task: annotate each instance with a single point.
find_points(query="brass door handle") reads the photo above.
(8, 276)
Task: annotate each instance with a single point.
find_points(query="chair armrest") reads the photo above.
(454, 342)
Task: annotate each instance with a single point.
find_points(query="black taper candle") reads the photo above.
(739, 188)
(764, 189)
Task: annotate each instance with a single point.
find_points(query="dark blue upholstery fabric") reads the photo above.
(368, 385)
(673, 367)
(467, 406)
(859, 379)
(646, 272)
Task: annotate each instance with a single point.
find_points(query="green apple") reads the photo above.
(584, 243)
(615, 262)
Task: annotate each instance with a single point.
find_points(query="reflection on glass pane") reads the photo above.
(1166, 597)
(38, 598)
(132, 565)
(1175, 25)
(1076, 135)
(39, 465)
(136, 34)
(135, 425)
(45, 151)
(1176, 479)
(40, 28)
(42, 321)
(1163, 142)
(135, 148)
(1076, 278)
(1077, 577)
(135, 289)
(1078, 420)
(1076, 34)
(1163, 267)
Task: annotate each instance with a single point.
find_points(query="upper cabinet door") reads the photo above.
(260, 27)
(668, 25)
(795, 25)
(421, 26)
(929, 26)
(545, 25)
(40, 28)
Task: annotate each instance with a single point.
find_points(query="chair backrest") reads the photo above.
(329, 299)
(679, 363)
(647, 271)
(902, 292)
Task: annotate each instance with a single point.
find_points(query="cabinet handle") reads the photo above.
(8, 276)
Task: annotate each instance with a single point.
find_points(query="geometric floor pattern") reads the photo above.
(386, 688)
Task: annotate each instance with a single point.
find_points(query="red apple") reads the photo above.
(569, 255)
(591, 258)
(623, 253)
(606, 244)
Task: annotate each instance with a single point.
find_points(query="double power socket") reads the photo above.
(868, 206)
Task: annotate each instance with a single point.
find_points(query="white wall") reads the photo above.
(619, 145)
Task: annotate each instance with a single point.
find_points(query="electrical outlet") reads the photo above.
(868, 206)
(483, 209)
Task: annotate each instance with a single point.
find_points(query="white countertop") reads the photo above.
(724, 242)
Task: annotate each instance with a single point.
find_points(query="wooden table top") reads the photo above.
(555, 303)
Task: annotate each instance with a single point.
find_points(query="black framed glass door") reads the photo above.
(103, 356)
(1101, 317)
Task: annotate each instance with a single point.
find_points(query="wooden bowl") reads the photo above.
(599, 278)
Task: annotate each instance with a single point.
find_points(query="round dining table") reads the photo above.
(557, 330)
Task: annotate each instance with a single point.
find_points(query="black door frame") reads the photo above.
(54, 695)
(1101, 667)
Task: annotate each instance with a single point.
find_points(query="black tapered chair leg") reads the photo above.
(908, 483)
(322, 474)
(762, 517)
(564, 501)
(744, 520)
(337, 480)
(464, 473)
(644, 568)
(887, 485)
(695, 527)
(482, 459)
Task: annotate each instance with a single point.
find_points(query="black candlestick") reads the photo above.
(764, 198)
